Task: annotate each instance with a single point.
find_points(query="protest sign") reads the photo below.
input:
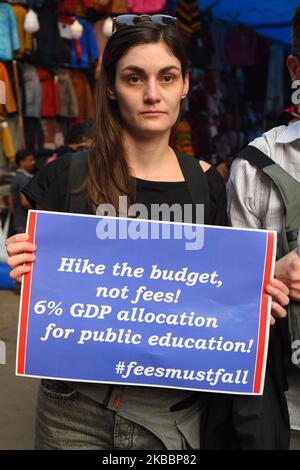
(118, 300)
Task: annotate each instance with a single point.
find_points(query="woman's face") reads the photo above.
(149, 87)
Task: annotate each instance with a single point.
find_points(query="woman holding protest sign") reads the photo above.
(143, 83)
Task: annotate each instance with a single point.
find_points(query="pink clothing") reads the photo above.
(241, 46)
(69, 6)
(145, 6)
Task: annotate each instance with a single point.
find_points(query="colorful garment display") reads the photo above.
(241, 46)
(89, 48)
(33, 92)
(84, 96)
(67, 96)
(189, 17)
(25, 39)
(50, 95)
(119, 6)
(236, 78)
(70, 6)
(9, 41)
(145, 6)
(10, 103)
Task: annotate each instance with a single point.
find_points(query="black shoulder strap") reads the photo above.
(286, 184)
(195, 179)
(192, 172)
(76, 201)
(256, 157)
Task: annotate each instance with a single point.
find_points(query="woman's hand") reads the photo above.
(20, 251)
(280, 299)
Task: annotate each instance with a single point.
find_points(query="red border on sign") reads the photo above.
(25, 302)
(263, 315)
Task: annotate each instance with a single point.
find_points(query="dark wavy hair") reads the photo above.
(108, 171)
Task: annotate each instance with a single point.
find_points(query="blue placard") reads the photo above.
(133, 305)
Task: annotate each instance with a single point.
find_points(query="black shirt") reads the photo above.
(48, 189)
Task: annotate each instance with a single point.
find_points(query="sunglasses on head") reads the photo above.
(123, 21)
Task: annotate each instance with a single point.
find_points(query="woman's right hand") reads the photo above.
(20, 251)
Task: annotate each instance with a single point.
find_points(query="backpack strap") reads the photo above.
(196, 180)
(192, 172)
(288, 187)
(76, 202)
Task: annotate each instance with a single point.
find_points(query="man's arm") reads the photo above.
(287, 270)
(248, 192)
(24, 202)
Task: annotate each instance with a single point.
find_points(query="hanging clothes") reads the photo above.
(170, 8)
(66, 7)
(257, 75)
(189, 17)
(25, 39)
(145, 6)
(200, 49)
(53, 137)
(81, 6)
(218, 33)
(67, 95)
(275, 96)
(16, 132)
(119, 6)
(64, 23)
(33, 91)
(84, 96)
(6, 142)
(46, 42)
(89, 47)
(20, 2)
(10, 103)
(241, 46)
(9, 41)
(34, 136)
(50, 95)
(74, 7)
(183, 138)
(37, 3)
(102, 6)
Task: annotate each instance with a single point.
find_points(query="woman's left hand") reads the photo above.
(280, 299)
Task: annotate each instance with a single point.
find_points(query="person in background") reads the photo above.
(78, 138)
(18, 204)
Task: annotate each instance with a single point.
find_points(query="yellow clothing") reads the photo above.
(10, 104)
(119, 6)
(25, 39)
(6, 142)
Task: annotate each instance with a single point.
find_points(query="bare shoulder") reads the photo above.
(204, 165)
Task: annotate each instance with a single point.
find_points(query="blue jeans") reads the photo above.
(69, 420)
